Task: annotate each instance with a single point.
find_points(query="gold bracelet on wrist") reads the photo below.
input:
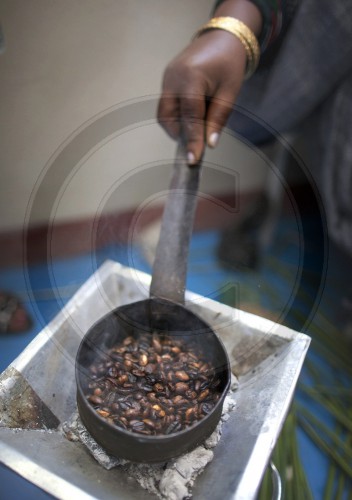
(243, 33)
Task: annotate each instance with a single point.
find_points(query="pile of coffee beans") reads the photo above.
(153, 384)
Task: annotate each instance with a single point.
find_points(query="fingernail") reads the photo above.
(191, 158)
(213, 139)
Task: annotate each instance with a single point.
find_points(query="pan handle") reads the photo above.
(170, 264)
(276, 481)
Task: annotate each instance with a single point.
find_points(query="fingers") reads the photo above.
(198, 120)
(184, 114)
(219, 110)
(182, 107)
(192, 114)
(169, 115)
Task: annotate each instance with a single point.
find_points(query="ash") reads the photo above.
(172, 480)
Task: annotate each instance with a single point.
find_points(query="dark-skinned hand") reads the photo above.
(201, 84)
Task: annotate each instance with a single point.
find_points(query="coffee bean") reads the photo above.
(131, 413)
(153, 384)
(182, 375)
(115, 407)
(156, 344)
(158, 387)
(96, 400)
(166, 357)
(122, 379)
(103, 413)
(150, 368)
(127, 341)
(128, 363)
(181, 387)
(189, 414)
(175, 349)
(191, 394)
(143, 360)
(156, 407)
(177, 400)
(173, 427)
(203, 395)
(206, 408)
(137, 425)
(149, 423)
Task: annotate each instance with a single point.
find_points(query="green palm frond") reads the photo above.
(322, 407)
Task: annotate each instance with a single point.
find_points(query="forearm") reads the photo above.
(270, 13)
(244, 10)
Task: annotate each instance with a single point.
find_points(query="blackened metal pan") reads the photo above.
(163, 311)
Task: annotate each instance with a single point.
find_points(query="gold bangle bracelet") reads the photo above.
(243, 33)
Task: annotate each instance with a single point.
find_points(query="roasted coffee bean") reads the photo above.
(182, 375)
(173, 427)
(127, 341)
(153, 384)
(138, 395)
(206, 408)
(115, 407)
(122, 379)
(131, 413)
(215, 383)
(156, 344)
(169, 419)
(197, 385)
(170, 376)
(203, 395)
(128, 363)
(149, 423)
(145, 387)
(177, 400)
(112, 371)
(124, 390)
(116, 357)
(204, 384)
(152, 396)
(118, 423)
(157, 407)
(131, 357)
(96, 400)
(150, 379)
(191, 394)
(150, 368)
(103, 413)
(181, 387)
(131, 378)
(137, 425)
(124, 405)
(166, 357)
(158, 387)
(189, 414)
(175, 349)
(143, 360)
(110, 398)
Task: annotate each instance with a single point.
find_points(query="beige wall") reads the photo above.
(66, 61)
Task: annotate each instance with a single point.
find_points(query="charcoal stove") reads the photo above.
(38, 394)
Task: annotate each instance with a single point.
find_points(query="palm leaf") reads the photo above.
(324, 392)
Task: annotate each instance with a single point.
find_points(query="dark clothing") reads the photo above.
(306, 83)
